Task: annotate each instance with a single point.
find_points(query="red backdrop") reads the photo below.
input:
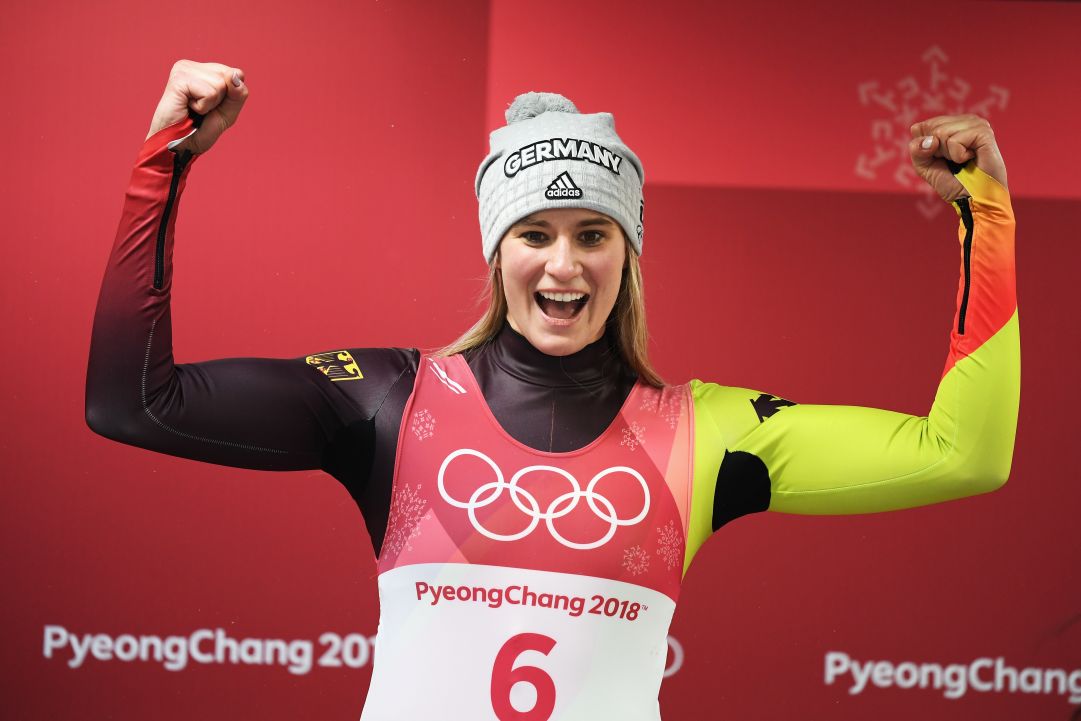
(788, 250)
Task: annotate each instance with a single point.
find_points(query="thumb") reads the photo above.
(236, 92)
(923, 151)
(935, 171)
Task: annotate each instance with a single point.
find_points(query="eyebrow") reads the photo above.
(596, 220)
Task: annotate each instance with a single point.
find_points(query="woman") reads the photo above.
(535, 493)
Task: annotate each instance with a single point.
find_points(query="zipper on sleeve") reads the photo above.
(180, 160)
(966, 218)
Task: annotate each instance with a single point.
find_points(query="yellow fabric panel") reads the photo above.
(989, 197)
(826, 459)
(723, 414)
(846, 459)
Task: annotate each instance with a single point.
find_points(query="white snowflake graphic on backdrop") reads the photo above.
(423, 424)
(669, 545)
(907, 101)
(635, 560)
(633, 436)
(403, 523)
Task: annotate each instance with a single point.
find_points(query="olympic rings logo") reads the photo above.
(527, 502)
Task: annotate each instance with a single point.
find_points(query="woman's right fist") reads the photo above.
(213, 90)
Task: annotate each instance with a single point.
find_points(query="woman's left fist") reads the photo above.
(959, 138)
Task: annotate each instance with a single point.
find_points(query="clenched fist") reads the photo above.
(213, 90)
(958, 138)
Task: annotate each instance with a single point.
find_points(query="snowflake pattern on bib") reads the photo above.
(633, 436)
(636, 560)
(669, 544)
(666, 403)
(407, 510)
(423, 425)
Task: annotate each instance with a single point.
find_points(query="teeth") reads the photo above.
(562, 297)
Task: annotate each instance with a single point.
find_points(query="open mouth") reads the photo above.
(562, 306)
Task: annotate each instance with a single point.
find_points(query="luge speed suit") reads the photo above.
(540, 512)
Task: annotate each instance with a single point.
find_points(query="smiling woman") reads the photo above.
(561, 272)
(560, 278)
(539, 459)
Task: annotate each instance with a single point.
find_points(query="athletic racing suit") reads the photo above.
(351, 412)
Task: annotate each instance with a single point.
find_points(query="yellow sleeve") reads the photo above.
(754, 451)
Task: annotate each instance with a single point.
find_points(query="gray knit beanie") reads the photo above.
(551, 156)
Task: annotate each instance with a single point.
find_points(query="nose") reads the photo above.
(563, 263)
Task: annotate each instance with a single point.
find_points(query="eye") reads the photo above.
(593, 237)
(534, 236)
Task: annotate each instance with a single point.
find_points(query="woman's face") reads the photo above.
(561, 270)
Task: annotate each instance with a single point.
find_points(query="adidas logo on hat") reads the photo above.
(563, 187)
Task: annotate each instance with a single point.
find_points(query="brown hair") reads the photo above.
(627, 321)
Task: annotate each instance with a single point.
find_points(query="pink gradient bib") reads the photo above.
(496, 554)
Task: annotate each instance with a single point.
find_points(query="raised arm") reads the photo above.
(307, 412)
(756, 452)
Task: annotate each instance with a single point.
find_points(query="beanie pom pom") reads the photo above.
(530, 105)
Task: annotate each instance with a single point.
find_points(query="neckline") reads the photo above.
(513, 354)
(474, 387)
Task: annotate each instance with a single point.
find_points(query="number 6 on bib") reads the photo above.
(504, 676)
